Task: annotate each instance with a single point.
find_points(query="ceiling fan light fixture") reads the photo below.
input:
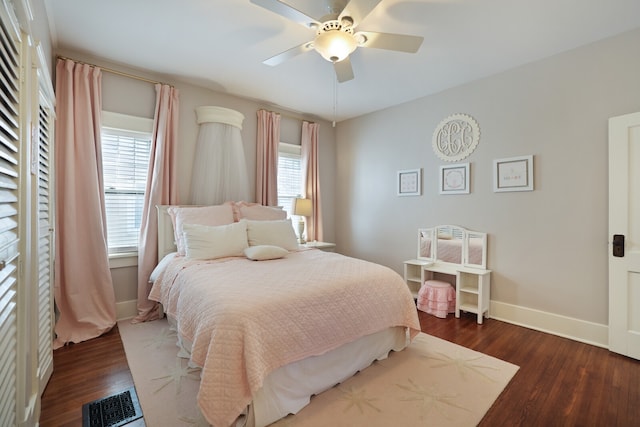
(335, 45)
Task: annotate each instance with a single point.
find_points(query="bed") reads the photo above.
(270, 333)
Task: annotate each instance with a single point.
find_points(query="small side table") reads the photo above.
(323, 246)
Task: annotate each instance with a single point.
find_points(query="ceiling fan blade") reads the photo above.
(288, 54)
(344, 71)
(287, 11)
(399, 42)
(358, 10)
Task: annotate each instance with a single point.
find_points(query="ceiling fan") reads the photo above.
(336, 37)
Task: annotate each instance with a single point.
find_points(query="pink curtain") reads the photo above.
(162, 189)
(311, 178)
(267, 140)
(83, 288)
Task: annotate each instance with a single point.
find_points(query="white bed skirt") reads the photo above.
(289, 388)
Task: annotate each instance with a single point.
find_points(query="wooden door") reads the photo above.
(44, 227)
(9, 210)
(624, 235)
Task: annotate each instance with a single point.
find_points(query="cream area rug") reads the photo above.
(431, 383)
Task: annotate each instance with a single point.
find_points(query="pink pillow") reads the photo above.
(235, 206)
(257, 212)
(204, 215)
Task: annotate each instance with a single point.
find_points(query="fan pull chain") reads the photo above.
(335, 100)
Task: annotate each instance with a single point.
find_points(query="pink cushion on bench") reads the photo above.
(437, 297)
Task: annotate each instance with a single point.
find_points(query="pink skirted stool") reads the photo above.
(437, 297)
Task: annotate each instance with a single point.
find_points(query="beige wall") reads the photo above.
(547, 248)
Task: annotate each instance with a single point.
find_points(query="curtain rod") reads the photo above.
(144, 79)
(290, 116)
(119, 73)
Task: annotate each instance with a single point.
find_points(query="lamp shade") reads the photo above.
(302, 207)
(335, 45)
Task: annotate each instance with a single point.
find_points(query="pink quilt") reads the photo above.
(248, 318)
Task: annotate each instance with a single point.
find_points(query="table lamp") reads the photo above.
(302, 208)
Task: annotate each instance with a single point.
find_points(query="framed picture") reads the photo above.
(454, 179)
(513, 174)
(409, 182)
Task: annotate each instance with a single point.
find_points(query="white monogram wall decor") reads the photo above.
(456, 137)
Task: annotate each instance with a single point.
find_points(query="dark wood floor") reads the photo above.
(560, 382)
(82, 373)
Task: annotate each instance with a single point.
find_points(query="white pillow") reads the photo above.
(275, 233)
(265, 252)
(161, 266)
(204, 215)
(205, 242)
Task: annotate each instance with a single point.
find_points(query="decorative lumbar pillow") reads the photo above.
(275, 233)
(265, 252)
(205, 242)
(203, 215)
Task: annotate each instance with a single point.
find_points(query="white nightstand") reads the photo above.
(323, 246)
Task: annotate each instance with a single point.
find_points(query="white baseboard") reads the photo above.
(126, 309)
(567, 327)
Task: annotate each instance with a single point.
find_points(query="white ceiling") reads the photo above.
(220, 44)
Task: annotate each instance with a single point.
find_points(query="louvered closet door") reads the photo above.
(9, 131)
(45, 249)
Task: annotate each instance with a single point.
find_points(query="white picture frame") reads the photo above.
(455, 179)
(409, 182)
(513, 174)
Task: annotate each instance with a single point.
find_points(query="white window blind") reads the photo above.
(289, 175)
(125, 160)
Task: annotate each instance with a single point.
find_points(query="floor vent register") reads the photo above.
(112, 411)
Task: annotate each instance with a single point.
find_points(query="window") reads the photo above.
(126, 144)
(289, 175)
